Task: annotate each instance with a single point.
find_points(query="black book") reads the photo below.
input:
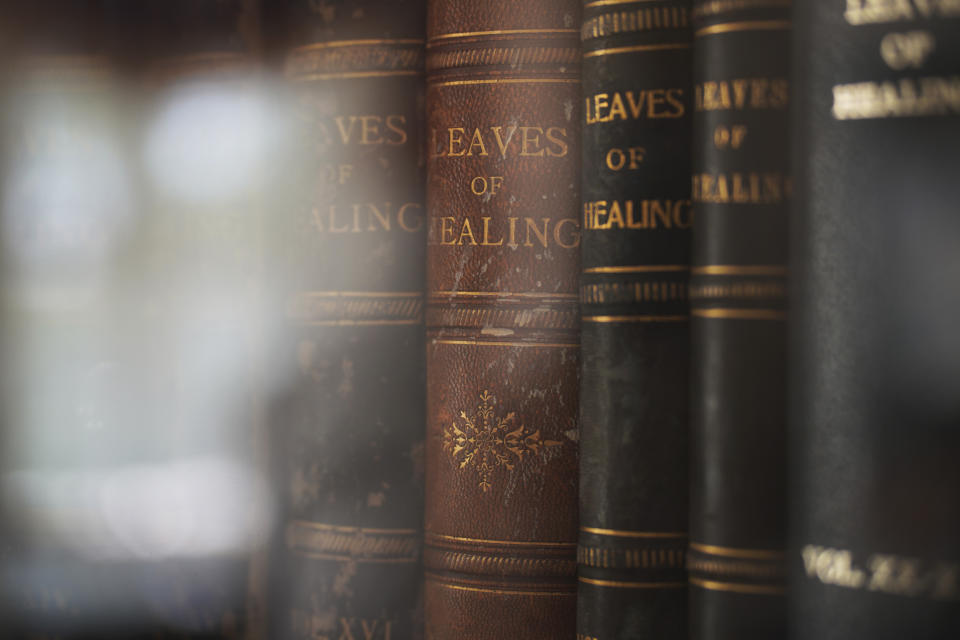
(875, 359)
(635, 333)
(741, 191)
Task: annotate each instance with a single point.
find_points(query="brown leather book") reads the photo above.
(502, 318)
(347, 248)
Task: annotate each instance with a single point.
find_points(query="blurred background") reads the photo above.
(137, 139)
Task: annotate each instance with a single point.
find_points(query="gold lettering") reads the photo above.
(345, 133)
(674, 98)
(654, 99)
(455, 138)
(444, 229)
(418, 219)
(617, 108)
(872, 11)
(370, 130)
(541, 235)
(574, 235)
(528, 142)
(345, 631)
(383, 219)
(477, 141)
(466, 231)
(501, 143)
(636, 106)
(397, 123)
(556, 135)
(910, 97)
(643, 214)
(740, 188)
(616, 159)
(742, 93)
(486, 234)
(600, 103)
(615, 216)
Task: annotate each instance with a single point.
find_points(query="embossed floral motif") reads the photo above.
(485, 441)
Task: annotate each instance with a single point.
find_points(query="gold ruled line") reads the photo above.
(633, 585)
(505, 343)
(617, 319)
(339, 528)
(457, 83)
(348, 558)
(505, 294)
(737, 552)
(716, 7)
(653, 268)
(353, 74)
(607, 3)
(509, 592)
(756, 589)
(637, 48)
(746, 25)
(739, 314)
(516, 543)
(739, 270)
(622, 533)
(356, 43)
(503, 32)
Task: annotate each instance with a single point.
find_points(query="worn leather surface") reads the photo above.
(875, 522)
(636, 95)
(348, 245)
(738, 293)
(502, 342)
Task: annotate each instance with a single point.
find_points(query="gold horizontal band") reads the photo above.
(746, 25)
(638, 318)
(739, 270)
(505, 294)
(733, 587)
(457, 83)
(740, 314)
(509, 592)
(348, 529)
(737, 552)
(632, 585)
(514, 543)
(508, 343)
(607, 3)
(668, 46)
(358, 43)
(622, 533)
(716, 7)
(350, 558)
(502, 32)
(652, 268)
(346, 75)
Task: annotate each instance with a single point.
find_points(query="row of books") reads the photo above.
(519, 358)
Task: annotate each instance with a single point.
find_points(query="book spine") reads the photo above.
(637, 103)
(502, 338)
(875, 363)
(741, 190)
(351, 253)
